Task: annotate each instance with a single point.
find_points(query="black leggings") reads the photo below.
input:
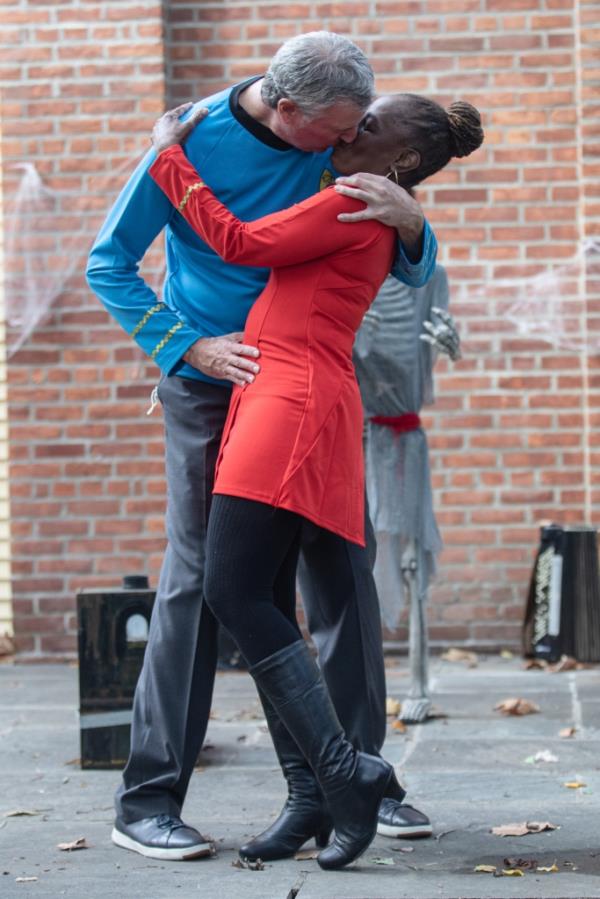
(250, 582)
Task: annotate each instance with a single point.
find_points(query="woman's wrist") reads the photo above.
(165, 147)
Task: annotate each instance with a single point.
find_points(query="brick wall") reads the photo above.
(81, 82)
(513, 431)
(6, 612)
(514, 434)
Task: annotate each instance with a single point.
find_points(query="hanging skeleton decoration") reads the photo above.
(395, 351)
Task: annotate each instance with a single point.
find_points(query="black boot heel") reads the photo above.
(304, 814)
(355, 812)
(288, 834)
(353, 783)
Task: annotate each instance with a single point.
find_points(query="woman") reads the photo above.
(292, 448)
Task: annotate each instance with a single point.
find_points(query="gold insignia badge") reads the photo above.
(327, 179)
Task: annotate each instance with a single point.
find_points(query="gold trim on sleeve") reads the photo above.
(326, 179)
(165, 340)
(147, 317)
(188, 194)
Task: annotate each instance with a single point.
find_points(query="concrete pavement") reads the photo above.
(469, 771)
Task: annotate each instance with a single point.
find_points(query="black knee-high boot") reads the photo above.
(352, 782)
(304, 814)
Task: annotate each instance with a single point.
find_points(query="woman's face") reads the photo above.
(378, 143)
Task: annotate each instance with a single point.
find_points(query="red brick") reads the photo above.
(117, 526)
(467, 497)
(67, 565)
(499, 215)
(40, 624)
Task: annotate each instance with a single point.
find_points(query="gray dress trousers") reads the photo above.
(174, 692)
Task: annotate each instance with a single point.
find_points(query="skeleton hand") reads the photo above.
(442, 334)
(170, 130)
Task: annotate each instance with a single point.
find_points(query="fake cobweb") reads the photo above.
(48, 235)
(559, 306)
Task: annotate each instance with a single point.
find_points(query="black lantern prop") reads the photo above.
(113, 632)
(562, 614)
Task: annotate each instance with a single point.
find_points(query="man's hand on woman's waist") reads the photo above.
(225, 358)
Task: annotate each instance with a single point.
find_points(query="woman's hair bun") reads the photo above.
(465, 128)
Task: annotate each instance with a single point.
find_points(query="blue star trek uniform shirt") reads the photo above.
(254, 173)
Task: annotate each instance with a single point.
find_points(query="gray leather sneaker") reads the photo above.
(399, 820)
(163, 836)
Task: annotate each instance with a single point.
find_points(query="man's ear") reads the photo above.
(407, 160)
(288, 111)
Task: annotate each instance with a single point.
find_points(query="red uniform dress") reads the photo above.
(293, 438)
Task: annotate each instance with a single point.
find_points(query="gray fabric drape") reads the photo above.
(394, 370)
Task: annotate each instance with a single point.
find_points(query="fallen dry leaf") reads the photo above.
(553, 869)
(7, 646)
(247, 865)
(566, 663)
(567, 732)
(507, 654)
(79, 843)
(485, 869)
(522, 828)
(540, 826)
(392, 706)
(574, 784)
(530, 863)
(535, 664)
(510, 830)
(460, 655)
(516, 706)
(512, 872)
(399, 726)
(305, 854)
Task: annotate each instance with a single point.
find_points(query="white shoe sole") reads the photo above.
(175, 855)
(421, 830)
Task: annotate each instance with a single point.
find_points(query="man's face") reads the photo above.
(336, 125)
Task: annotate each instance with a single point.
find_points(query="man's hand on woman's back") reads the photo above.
(387, 202)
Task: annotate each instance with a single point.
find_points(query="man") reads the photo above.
(262, 148)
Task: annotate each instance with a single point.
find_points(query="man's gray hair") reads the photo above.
(316, 70)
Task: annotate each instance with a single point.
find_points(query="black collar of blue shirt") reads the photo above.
(260, 131)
